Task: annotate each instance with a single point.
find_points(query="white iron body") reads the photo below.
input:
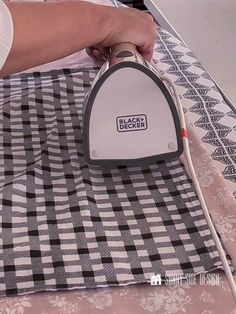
(130, 116)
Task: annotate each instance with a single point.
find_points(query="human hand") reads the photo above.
(126, 25)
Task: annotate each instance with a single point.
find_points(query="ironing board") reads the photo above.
(146, 299)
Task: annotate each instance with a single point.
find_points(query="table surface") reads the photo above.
(208, 27)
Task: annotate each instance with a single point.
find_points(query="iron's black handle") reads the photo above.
(126, 47)
(123, 52)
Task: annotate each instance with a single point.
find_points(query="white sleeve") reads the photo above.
(6, 32)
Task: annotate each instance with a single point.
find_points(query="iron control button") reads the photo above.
(124, 54)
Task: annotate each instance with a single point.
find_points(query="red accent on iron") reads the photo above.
(184, 133)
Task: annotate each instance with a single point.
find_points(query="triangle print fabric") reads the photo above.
(204, 106)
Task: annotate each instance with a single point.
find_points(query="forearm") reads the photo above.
(44, 32)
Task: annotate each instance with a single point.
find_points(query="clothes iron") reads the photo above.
(130, 115)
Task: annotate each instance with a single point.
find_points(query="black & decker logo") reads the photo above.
(131, 123)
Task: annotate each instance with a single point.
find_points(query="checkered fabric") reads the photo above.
(67, 225)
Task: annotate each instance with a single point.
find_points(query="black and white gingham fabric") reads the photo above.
(67, 225)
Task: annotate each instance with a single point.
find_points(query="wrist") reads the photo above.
(101, 21)
(93, 22)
